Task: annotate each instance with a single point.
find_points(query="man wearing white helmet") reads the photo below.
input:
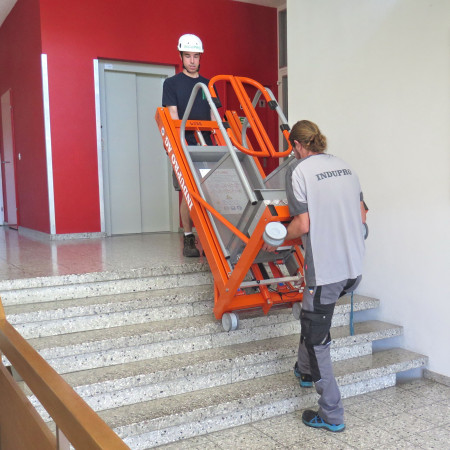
(176, 93)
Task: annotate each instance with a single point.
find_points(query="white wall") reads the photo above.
(375, 76)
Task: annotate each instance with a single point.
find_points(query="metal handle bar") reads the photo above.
(252, 118)
(248, 190)
(253, 283)
(245, 149)
(246, 123)
(283, 122)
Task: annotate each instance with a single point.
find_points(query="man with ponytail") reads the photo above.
(326, 203)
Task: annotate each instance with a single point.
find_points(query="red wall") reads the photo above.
(239, 39)
(20, 71)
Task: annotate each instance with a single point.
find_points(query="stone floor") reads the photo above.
(28, 256)
(413, 415)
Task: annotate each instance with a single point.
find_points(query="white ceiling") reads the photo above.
(5, 8)
(7, 5)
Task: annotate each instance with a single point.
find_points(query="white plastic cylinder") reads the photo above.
(274, 234)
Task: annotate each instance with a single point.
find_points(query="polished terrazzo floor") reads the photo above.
(25, 256)
(412, 415)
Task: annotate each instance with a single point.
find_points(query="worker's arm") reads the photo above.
(363, 212)
(298, 227)
(173, 110)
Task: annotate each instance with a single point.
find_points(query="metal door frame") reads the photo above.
(14, 159)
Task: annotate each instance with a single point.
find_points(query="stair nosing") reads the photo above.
(158, 296)
(78, 320)
(90, 359)
(145, 331)
(93, 277)
(360, 304)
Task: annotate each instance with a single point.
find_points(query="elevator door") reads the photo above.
(136, 172)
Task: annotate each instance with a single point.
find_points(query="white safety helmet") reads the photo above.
(190, 43)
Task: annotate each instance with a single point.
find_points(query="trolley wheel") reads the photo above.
(296, 310)
(230, 321)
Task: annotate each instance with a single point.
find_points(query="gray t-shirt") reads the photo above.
(329, 190)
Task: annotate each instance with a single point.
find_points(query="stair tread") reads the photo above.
(245, 394)
(75, 307)
(377, 360)
(93, 277)
(118, 302)
(85, 314)
(158, 330)
(175, 359)
(231, 356)
(235, 355)
(360, 303)
(198, 362)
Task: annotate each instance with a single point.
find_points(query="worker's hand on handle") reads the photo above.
(274, 235)
(268, 248)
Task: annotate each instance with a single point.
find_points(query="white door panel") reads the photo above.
(154, 176)
(123, 153)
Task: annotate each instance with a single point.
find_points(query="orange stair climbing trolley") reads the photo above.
(233, 204)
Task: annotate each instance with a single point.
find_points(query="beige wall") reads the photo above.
(375, 76)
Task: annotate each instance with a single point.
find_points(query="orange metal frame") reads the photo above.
(228, 295)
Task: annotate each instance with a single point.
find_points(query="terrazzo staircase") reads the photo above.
(144, 350)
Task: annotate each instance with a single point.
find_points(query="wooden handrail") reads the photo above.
(21, 425)
(72, 415)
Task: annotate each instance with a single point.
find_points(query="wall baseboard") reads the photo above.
(34, 234)
(443, 379)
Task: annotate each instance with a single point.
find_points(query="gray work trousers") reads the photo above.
(315, 359)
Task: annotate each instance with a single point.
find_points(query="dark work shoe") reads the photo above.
(189, 248)
(312, 419)
(304, 379)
